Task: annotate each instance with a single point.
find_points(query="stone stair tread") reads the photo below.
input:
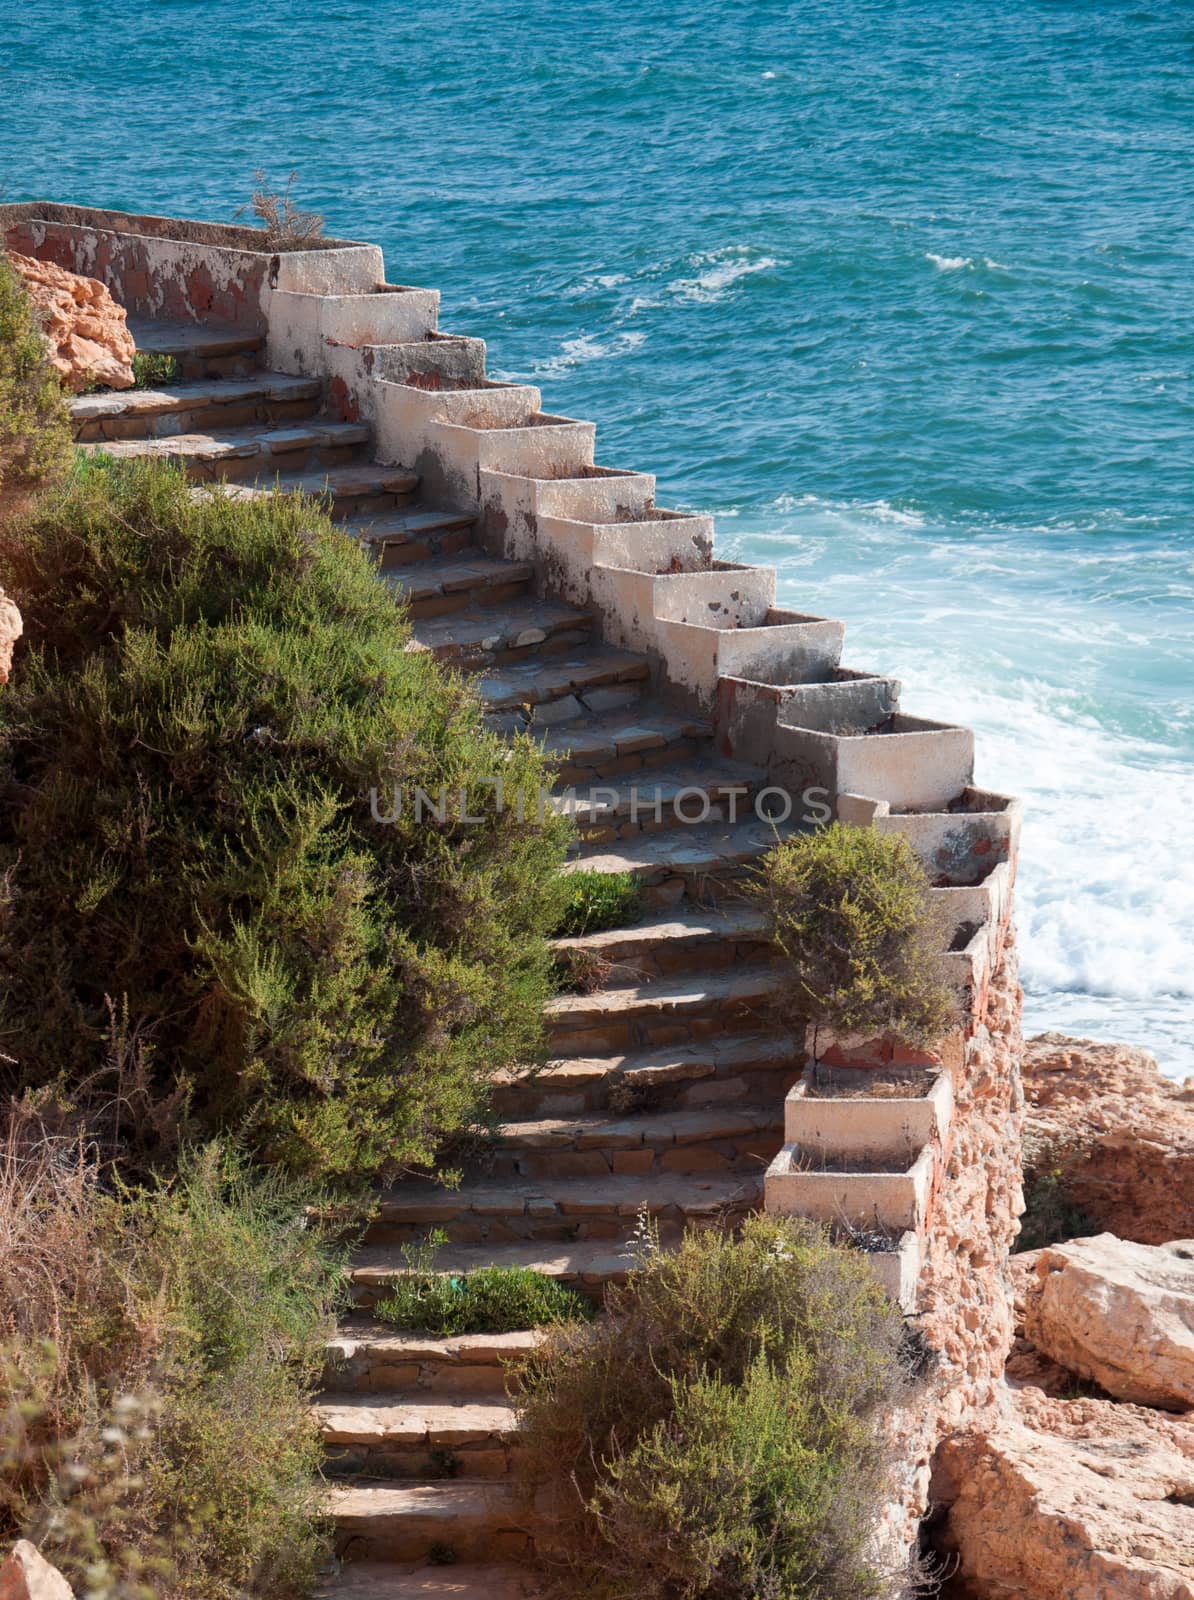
(507, 687)
(160, 336)
(415, 1417)
(352, 481)
(277, 386)
(402, 527)
(585, 1261)
(470, 569)
(361, 1333)
(663, 1064)
(718, 922)
(450, 1502)
(611, 800)
(752, 982)
(383, 1580)
(430, 1203)
(236, 443)
(697, 849)
(652, 1129)
(519, 622)
(620, 734)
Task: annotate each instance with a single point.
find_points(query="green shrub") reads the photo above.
(718, 1433)
(489, 1300)
(851, 912)
(598, 900)
(156, 1434)
(1051, 1213)
(211, 690)
(35, 430)
(152, 368)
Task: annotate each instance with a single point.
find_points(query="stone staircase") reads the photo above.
(672, 693)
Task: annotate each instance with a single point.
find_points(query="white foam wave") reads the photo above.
(576, 352)
(719, 271)
(948, 263)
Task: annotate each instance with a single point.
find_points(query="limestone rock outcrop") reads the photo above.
(11, 628)
(1134, 1176)
(1118, 1314)
(27, 1575)
(87, 331)
(1071, 1500)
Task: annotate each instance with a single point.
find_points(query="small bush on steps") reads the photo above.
(597, 901)
(489, 1300)
(717, 1435)
(210, 692)
(852, 915)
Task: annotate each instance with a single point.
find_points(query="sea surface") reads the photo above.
(901, 290)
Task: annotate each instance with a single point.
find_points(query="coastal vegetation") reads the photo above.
(719, 1430)
(206, 927)
(851, 913)
(488, 1300)
(35, 433)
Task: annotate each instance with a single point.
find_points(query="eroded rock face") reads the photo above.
(27, 1575)
(11, 628)
(1119, 1314)
(1135, 1178)
(1071, 1500)
(87, 331)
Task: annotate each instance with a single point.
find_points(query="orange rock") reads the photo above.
(11, 628)
(87, 331)
(1071, 1500)
(1135, 1174)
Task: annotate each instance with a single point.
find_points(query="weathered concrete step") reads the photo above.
(508, 632)
(586, 1265)
(710, 939)
(159, 336)
(679, 1007)
(619, 743)
(349, 489)
(194, 407)
(416, 1436)
(450, 583)
(468, 1521)
(751, 1066)
(685, 794)
(488, 1213)
(711, 1139)
(563, 688)
(244, 452)
(370, 1580)
(208, 350)
(366, 1356)
(406, 538)
(698, 861)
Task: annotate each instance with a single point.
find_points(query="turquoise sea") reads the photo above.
(901, 290)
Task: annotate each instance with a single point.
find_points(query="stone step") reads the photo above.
(240, 453)
(702, 863)
(680, 795)
(447, 584)
(266, 397)
(563, 688)
(678, 1008)
(375, 1580)
(418, 1436)
(758, 1067)
(712, 1139)
(708, 940)
(402, 539)
(488, 1220)
(621, 742)
(201, 351)
(348, 490)
(454, 1519)
(502, 633)
(366, 1356)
